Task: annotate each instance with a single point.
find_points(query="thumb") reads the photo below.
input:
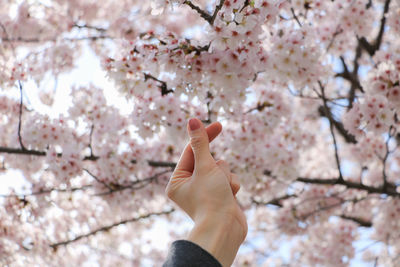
(200, 144)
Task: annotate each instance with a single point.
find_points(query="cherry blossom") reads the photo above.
(308, 93)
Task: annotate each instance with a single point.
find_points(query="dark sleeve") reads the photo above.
(184, 253)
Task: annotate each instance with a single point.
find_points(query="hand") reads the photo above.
(205, 190)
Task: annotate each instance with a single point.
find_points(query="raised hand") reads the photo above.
(205, 189)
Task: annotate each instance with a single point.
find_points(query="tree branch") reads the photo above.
(163, 86)
(384, 159)
(274, 201)
(295, 17)
(47, 191)
(29, 152)
(37, 40)
(209, 18)
(97, 179)
(90, 140)
(338, 125)
(201, 12)
(108, 227)
(134, 185)
(90, 27)
(21, 151)
(358, 220)
(20, 116)
(372, 48)
(139, 184)
(352, 77)
(327, 110)
(391, 190)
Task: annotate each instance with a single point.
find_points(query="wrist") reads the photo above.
(221, 236)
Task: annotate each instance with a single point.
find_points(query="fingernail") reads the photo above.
(194, 124)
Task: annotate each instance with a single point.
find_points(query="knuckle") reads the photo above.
(169, 192)
(222, 162)
(197, 142)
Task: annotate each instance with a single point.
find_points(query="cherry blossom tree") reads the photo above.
(307, 91)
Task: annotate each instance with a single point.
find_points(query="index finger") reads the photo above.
(186, 161)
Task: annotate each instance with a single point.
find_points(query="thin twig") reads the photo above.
(332, 132)
(202, 13)
(90, 27)
(30, 152)
(108, 227)
(70, 39)
(90, 140)
(20, 116)
(163, 86)
(139, 184)
(349, 138)
(336, 33)
(275, 201)
(372, 48)
(97, 179)
(209, 18)
(295, 17)
(384, 159)
(357, 220)
(49, 190)
(391, 190)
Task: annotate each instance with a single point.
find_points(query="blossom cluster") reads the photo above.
(327, 246)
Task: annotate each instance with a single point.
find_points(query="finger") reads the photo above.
(235, 184)
(232, 178)
(200, 144)
(186, 162)
(223, 165)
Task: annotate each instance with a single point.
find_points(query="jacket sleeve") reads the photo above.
(184, 253)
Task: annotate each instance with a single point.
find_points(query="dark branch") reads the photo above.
(260, 106)
(351, 77)
(372, 48)
(112, 186)
(385, 182)
(9, 150)
(327, 110)
(134, 185)
(163, 86)
(369, 4)
(209, 18)
(295, 17)
(245, 4)
(20, 116)
(338, 125)
(108, 227)
(97, 179)
(360, 221)
(391, 190)
(274, 201)
(202, 13)
(37, 40)
(210, 97)
(49, 190)
(90, 140)
(85, 26)
(336, 33)
(217, 9)
(30, 152)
